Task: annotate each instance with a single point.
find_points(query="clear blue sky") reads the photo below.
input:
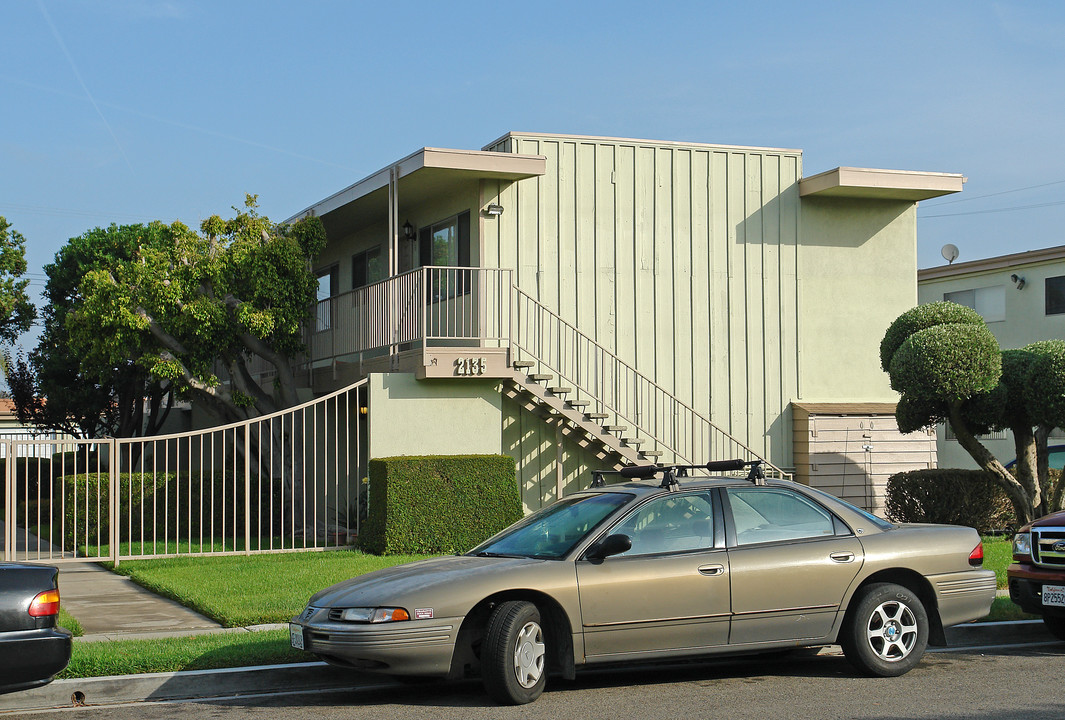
(131, 110)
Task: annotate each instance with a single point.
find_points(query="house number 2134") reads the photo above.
(471, 366)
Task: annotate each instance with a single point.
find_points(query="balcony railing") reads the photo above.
(460, 306)
(420, 308)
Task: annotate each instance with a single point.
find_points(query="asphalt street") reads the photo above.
(987, 683)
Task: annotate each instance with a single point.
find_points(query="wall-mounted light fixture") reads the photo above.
(493, 210)
(1018, 280)
(408, 230)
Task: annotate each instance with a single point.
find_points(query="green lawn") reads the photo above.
(200, 652)
(250, 590)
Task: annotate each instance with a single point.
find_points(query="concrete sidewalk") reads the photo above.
(111, 607)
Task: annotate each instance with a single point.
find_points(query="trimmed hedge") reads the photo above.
(439, 504)
(950, 496)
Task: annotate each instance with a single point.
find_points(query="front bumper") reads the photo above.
(1026, 587)
(409, 647)
(29, 658)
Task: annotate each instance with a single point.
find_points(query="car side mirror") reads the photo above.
(610, 545)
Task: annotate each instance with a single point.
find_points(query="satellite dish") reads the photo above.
(950, 252)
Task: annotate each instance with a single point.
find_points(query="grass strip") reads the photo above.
(70, 622)
(998, 554)
(249, 590)
(198, 652)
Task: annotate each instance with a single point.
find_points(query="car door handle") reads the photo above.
(712, 570)
(842, 557)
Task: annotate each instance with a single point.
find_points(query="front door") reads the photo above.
(670, 592)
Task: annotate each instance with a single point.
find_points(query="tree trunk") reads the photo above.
(1022, 503)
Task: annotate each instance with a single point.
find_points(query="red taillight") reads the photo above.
(45, 604)
(976, 557)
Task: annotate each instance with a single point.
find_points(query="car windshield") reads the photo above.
(555, 530)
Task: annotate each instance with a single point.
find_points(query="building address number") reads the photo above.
(471, 365)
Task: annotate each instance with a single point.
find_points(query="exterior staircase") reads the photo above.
(533, 392)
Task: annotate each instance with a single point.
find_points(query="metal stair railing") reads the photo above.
(619, 390)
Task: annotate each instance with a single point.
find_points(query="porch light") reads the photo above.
(493, 210)
(408, 230)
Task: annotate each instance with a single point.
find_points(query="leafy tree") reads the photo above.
(57, 389)
(189, 304)
(17, 313)
(948, 368)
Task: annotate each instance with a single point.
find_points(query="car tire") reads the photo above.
(1056, 626)
(886, 632)
(514, 655)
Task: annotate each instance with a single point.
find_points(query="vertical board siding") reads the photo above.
(681, 259)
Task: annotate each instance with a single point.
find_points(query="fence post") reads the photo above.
(9, 502)
(247, 489)
(112, 494)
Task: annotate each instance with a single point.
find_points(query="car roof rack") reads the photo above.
(755, 475)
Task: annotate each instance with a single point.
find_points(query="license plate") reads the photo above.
(1054, 595)
(295, 632)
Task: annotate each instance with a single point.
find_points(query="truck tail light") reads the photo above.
(976, 557)
(45, 604)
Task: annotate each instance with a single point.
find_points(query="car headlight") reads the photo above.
(1022, 546)
(374, 615)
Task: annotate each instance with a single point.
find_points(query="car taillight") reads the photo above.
(976, 557)
(45, 604)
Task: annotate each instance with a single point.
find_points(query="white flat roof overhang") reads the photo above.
(424, 172)
(873, 184)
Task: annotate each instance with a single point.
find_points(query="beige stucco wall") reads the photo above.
(857, 262)
(433, 417)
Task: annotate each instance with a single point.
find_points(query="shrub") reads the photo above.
(439, 504)
(954, 497)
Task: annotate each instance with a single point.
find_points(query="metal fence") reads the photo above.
(293, 480)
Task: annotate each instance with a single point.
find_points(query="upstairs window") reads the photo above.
(366, 268)
(446, 244)
(1055, 295)
(990, 302)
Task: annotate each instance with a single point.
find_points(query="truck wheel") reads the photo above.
(887, 631)
(1056, 626)
(514, 666)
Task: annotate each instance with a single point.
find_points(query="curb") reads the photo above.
(149, 687)
(998, 633)
(319, 676)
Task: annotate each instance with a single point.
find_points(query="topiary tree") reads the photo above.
(948, 367)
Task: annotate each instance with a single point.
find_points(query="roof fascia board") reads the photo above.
(880, 183)
(1002, 262)
(473, 160)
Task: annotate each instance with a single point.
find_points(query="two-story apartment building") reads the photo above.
(1021, 296)
(581, 302)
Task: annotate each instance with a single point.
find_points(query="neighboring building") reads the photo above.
(1021, 297)
(578, 302)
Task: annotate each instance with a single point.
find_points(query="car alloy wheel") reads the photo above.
(514, 655)
(892, 631)
(886, 631)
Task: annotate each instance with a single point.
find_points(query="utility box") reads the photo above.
(851, 449)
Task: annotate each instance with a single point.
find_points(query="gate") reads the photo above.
(292, 480)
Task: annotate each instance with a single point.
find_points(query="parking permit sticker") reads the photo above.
(423, 613)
